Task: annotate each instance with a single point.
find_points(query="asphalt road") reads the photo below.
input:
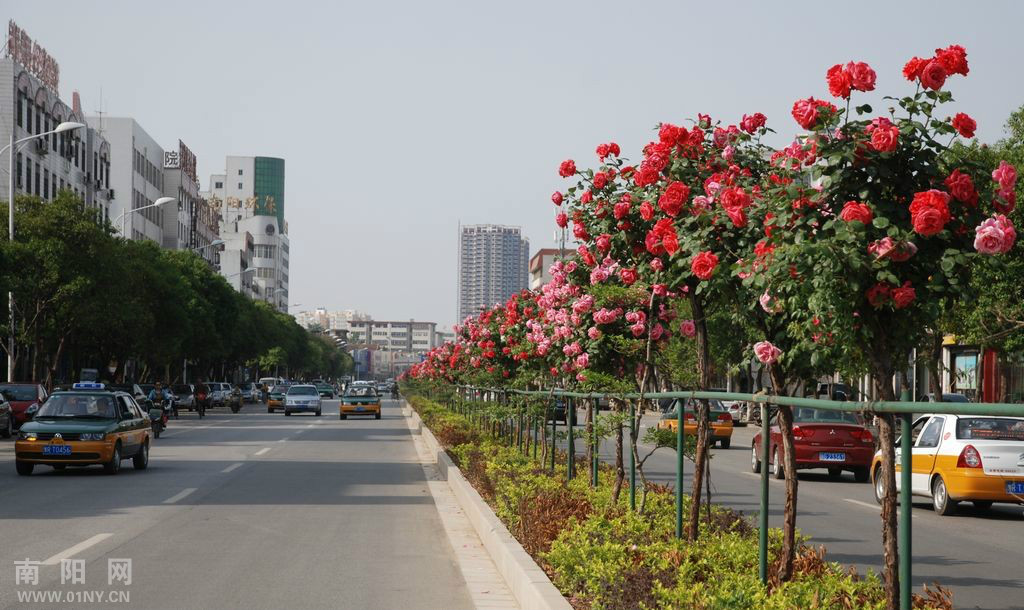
(241, 511)
(979, 555)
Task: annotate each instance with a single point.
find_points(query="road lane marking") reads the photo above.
(864, 504)
(262, 451)
(232, 467)
(180, 495)
(78, 548)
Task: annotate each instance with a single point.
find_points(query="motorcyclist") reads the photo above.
(159, 394)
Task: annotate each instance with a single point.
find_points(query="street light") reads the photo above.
(124, 215)
(212, 244)
(65, 126)
(242, 272)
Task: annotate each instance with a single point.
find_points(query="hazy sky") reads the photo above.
(400, 119)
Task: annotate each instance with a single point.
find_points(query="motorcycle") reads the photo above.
(201, 404)
(157, 420)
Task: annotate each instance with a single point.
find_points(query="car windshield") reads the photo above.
(361, 391)
(323, 386)
(182, 389)
(78, 405)
(19, 392)
(808, 415)
(246, 386)
(990, 428)
(278, 389)
(302, 390)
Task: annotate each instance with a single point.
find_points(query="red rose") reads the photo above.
(604, 242)
(602, 151)
(878, 294)
(620, 210)
(838, 81)
(670, 241)
(628, 276)
(613, 149)
(562, 220)
(738, 216)
(671, 201)
(586, 197)
(885, 135)
(806, 112)
(964, 125)
(862, 77)
(856, 211)
(954, 59)
(646, 210)
(600, 180)
(556, 198)
(903, 296)
(653, 243)
(933, 75)
(961, 187)
(735, 198)
(567, 168)
(929, 212)
(912, 69)
(703, 265)
(752, 123)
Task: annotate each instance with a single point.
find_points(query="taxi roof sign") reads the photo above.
(88, 385)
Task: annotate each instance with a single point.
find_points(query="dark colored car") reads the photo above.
(136, 391)
(325, 390)
(184, 395)
(834, 440)
(6, 418)
(25, 399)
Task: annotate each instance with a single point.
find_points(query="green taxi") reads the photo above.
(86, 425)
(359, 400)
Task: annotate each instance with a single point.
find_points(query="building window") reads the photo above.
(37, 191)
(218, 185)
(239, 186)
(21, 102)
(18, 172)
(239, 172)
(46, 183)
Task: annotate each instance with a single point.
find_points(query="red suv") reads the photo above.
(25, 399)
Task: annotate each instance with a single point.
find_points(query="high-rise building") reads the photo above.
(79, 160)
(250, 198)
(193, 224)
(492, 266)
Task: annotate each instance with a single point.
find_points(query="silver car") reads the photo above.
(302, 398)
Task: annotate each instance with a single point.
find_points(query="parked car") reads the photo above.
(6, 418)
(945, 398)
(721, 421)
(956, 458)
(822, 438)
(25, 399)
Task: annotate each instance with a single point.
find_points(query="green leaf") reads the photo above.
(880, 222)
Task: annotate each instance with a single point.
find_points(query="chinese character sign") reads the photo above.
(172, 160)
(34, 57)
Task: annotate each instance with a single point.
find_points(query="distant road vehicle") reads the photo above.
(275, 398)
(721, 421)
(25, 399)
(956, 458)
(832, 440)
(185, 395)
(302, 398)
(250, 392)
(325, 390)
(88, 425)
(6, 418)
(361, 399)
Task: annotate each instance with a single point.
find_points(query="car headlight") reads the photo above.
(32, 408)
(27, 436)
(93, 436)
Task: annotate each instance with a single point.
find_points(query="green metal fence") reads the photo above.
(904, 408)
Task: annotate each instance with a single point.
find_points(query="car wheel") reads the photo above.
(879, 485)
(141, 459)
(982, 504)
(755, 464)
(114, 465)
(725, 443)
(778, 470)
(269, 410)
(287, 412)
(835, 473)
(24, 468)
(860, 474)
(941, 502)
(376, 415)
(156, 431)
(59, 466)
(318, 413)
(9, 428)
(343, 416)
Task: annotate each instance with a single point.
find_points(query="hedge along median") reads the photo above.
(603, 556)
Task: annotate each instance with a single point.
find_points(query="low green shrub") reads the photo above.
(603, 556)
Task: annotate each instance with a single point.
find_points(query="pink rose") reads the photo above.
(1005, 175)
(638, 329)
(583, 360)
(688, 328)
(594, 333)
(769, 303)
(766, 352)
(990, 237)
(604, 242)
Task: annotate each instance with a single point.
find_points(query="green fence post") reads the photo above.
(536, 435)
(554, 429)
(906, 584)
(762, 538)
(570, 410)
(632, 453)
(595, 452)
(680, 447)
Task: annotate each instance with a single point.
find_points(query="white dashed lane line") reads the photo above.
(78, 548)
(180, 495)
(232, 467)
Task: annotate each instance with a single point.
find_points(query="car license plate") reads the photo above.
(360, 408)
(832, 457)
(1015, 487)
(57, 450)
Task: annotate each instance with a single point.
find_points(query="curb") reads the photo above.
(528, 582)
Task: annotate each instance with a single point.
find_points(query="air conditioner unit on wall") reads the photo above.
(41, 147)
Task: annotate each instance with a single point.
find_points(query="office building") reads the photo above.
(492, 266)
(250, 198)
(79, 160)
(192, 224)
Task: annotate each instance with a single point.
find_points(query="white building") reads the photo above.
(250, 198)
(78, 161)
(330, 320)
(137, 179)
(540, 266)
(193, 224)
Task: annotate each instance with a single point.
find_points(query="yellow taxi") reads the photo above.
(955, 458)
(84, 426)
(721, 421)
(275, 397)
(359, 399)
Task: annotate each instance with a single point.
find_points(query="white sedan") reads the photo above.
(302, 398)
